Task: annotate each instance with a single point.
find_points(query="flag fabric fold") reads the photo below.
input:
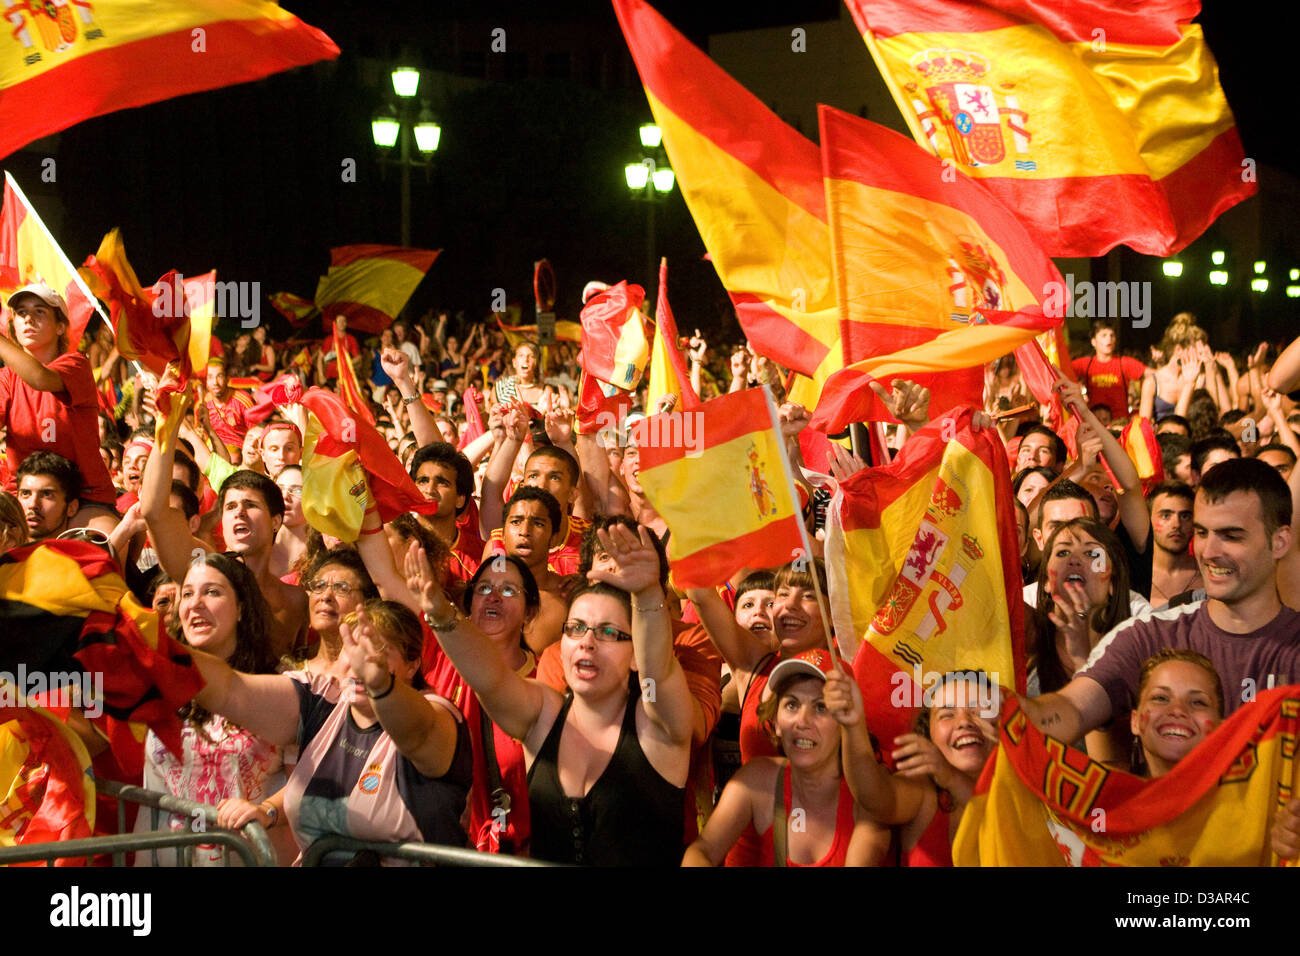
(934, 275)
(370, 284)
(615, 347)
(668, 373)
(1041, 803)
(923, 560)
(342, 457)
(1065, 109)
(69, 61)
(752, 184)
(720, 478)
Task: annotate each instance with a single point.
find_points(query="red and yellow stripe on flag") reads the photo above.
(1139, 440)
(64, 605)
(47, 790)
(931, 270)
(754, 187)
(566, 330)
(924, 566)
(293, 307)
(349, 389)
(615, 348)
(668, 374)
(28, 253)
(720, 478)
(67, 62)
(341, 456)
(370, 284)
(1040, 803)
(1100, 123)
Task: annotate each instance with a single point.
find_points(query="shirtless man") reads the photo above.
(252, 510)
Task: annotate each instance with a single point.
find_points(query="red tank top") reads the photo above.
(754, 738)
(935, 847)
(754, 850)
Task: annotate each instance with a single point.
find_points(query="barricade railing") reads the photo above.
(250, 843)
(425, 854)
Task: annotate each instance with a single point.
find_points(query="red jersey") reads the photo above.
(331, 360)
(66, 423)
(564, 558)
(229, 418)
(754, 739)
(1107, 382)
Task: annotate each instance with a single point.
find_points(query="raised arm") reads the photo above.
(424, 732)
(29, 368)
(374, 549)
(1284, 376)
(491, 502)
(665, 694)
(265, 704)
(168, 529)
(739, 648)
(886, 798)
(514, 703)
(397, 364)
(1132, 505)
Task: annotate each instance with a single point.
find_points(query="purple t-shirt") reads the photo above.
(1269, 657)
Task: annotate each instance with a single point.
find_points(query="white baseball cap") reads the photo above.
(42, 292)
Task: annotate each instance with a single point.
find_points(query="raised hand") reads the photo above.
(396, 364)
(793, 419)
(698, 347)
(906, 401)
(635, 556)
(1072, 613)
(739, 364)
(421, 580)
(843, 698)
(515, 421)
(367, 653)
(917, 757)
(559, 426)
(843, 463)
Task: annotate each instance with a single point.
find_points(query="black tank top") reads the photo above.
(631, 817)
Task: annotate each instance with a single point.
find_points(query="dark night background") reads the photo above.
(247, 179)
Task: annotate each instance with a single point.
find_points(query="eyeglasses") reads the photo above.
(483, 589)
(340, 588)
(603, 632)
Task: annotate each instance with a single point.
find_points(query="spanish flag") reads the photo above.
(924, 565)
(293, 307)
(371, 284)
(171, 321)
(63, 607)
(28, 253)
(754, 187)
(349, 388)
(1099, 123)
(565, 331)
(1041, 803)
(668, 374)
(934, 275)
(341, 456)
(615, 348)
(720, 477)
(68, 61)
(1139, 441)
(47, 790)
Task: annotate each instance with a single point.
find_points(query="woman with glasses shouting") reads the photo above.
(607, 763)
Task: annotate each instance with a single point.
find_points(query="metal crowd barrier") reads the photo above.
(251, 843)
(425, 854)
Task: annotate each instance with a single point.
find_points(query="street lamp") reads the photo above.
(650, 181)
(399, 122)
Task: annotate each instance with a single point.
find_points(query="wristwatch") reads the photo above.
(450, 624)
(411, 400)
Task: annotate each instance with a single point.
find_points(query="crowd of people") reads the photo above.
(516, 672)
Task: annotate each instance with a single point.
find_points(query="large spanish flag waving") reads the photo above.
(720, 477)
(924, 568)
(934, 275)
(65, 62)
(371, 284)
(1099, 121)
(28, 253)
(1041, 803)
(753, 185)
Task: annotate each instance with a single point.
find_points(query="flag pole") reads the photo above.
(803, 530)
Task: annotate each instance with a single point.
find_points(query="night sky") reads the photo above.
(248, 179)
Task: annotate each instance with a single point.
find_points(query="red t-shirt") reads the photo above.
(1107, 382)
(229, 418)
(564, 558)
(331, 364)
(66, 423)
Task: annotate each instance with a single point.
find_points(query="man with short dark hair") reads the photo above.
(1242, 529)
(445, 475)
(49, 491)
(1176, 452)
(1174, 570)
(1209, 451)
